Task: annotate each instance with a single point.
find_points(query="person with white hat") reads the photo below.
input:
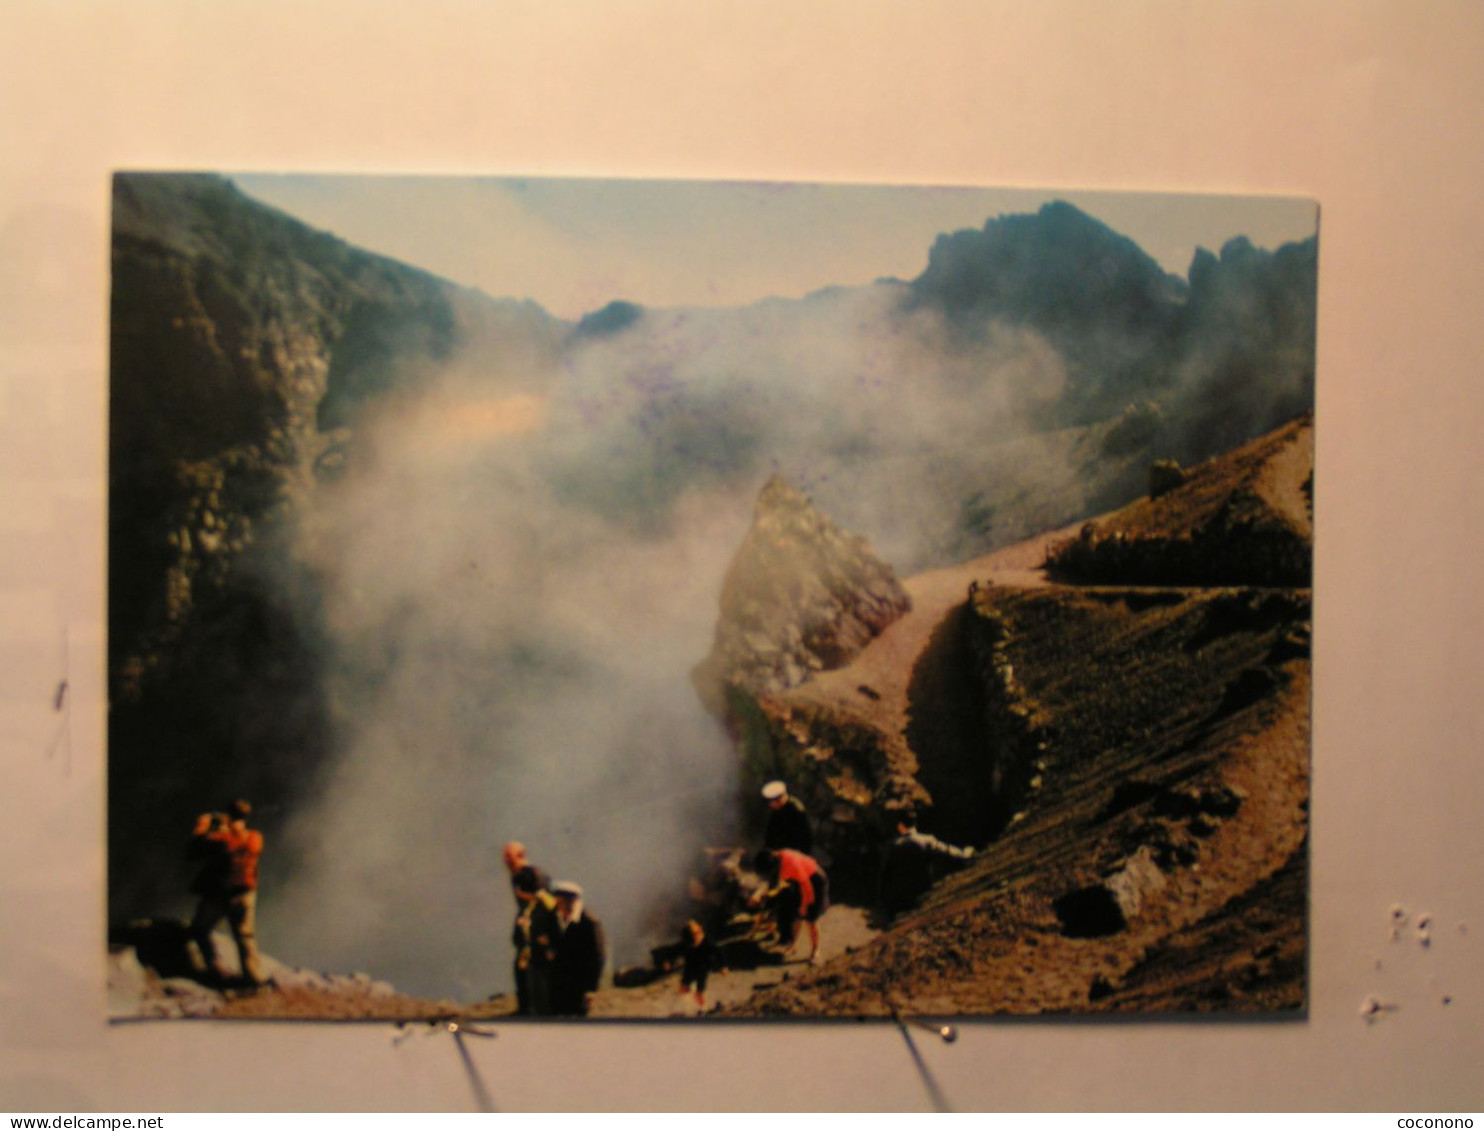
(578, 952)
(788, 825)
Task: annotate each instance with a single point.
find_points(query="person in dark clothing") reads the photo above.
(788, 824)
(535, 914)
(914, 862)
(532, 935)
(577, 953)
(699, 957)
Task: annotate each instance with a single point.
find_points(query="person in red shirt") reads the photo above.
(227, 887)
(799, 892)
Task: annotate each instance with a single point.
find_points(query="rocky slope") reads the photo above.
(1132, 760)
(150, 976)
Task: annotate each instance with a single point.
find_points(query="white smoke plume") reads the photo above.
(518, 572)
(520, 568)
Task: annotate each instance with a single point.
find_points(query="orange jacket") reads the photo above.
(241, 847)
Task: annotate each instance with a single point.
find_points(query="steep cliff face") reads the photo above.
(801, 597)
(243, 344)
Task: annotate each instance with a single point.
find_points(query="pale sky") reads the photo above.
(575, 245)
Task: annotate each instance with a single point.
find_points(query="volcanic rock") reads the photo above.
(1152, 740)
(801, 596)
(153, 973)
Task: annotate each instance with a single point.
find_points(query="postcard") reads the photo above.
(550, 599)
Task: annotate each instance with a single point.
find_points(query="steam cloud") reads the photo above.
(520, 568)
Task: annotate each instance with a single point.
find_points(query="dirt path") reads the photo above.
(1283, 481)
(842, 930)
(873, 687)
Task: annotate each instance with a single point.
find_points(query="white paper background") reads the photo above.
(1375, 109)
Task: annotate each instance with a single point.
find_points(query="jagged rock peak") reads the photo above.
(778, 493)
(786, 525)
(800, 596)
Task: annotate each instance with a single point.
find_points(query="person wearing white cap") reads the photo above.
(577, 954)
(788, 824)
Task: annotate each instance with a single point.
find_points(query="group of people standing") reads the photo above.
(560, 948)
(559, 945)
(798, 887)
(795, 892)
